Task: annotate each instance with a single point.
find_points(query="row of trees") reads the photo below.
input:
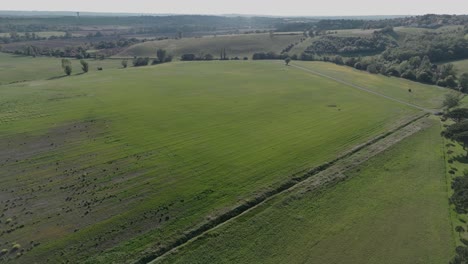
(438, 46)
(414, 69)
(269, 56)
(67, 66)
(79, 52)
(161, 57)
(458, 132)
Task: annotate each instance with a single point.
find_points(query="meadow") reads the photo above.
(114, 164)
(428, 96)
(461, 66)
(236, 45)
(15, 68)
(392, 209)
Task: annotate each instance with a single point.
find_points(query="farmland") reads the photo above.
(236, 45)
(392, 209)
(112, 163)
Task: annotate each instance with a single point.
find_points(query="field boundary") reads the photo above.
(364, 89)
(248, 205)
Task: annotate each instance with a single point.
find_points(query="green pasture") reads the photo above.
(428, 96)
(122, 161)
(392, 209)
(14, 68)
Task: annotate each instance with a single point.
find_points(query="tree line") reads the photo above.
(458, 132)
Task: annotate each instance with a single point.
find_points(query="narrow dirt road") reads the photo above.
(431, 111)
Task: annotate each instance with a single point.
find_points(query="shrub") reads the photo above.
(188, 57)
(16, 247)
(137, 62)
(124, 63)
(84, 66)
(409, 74)
(68, 70)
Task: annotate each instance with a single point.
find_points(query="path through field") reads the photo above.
(364, 89)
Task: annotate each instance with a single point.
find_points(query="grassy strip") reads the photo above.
(300, 177)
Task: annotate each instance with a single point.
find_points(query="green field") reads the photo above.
(354, 32)
(461, 66)
(428, 96)
(393, 209)
(108, 164)
(21, 68)
(236, 45)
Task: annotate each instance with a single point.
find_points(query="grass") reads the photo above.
(236, 45)
(393, 209)
(461, 66)
(428, 96)
(15, 68)
(354, 32)
(108, 164)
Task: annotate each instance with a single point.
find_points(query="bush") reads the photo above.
(188, 57)
(409, 74)
(372, 68)
(84, 66)
(15, 247)
(124, 63)
(137, 62)
(68, 70)
(424, 77)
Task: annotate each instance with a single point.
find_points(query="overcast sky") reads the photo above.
(265, 7)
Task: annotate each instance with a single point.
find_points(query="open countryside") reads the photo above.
(232, 139)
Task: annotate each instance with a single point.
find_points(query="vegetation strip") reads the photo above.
(363, 89)
(248, 205)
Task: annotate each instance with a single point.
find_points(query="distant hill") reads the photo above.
(244, 45)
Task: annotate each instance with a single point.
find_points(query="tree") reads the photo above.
(447, 70)
(188, 57)
(458, 132)
(124, 63)
(458, 114)
(84, 66)
(161, 54)
(464, 82)
(68, 70)
(409, 74)
(140, 61)
(451, 100)
(459, 230)
(65, 63)
(451, 81)
(287, 61)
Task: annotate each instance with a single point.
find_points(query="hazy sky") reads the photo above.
(267, 7)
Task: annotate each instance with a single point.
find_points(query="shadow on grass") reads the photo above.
(63, 76)
(461, 159)
(57, 77)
